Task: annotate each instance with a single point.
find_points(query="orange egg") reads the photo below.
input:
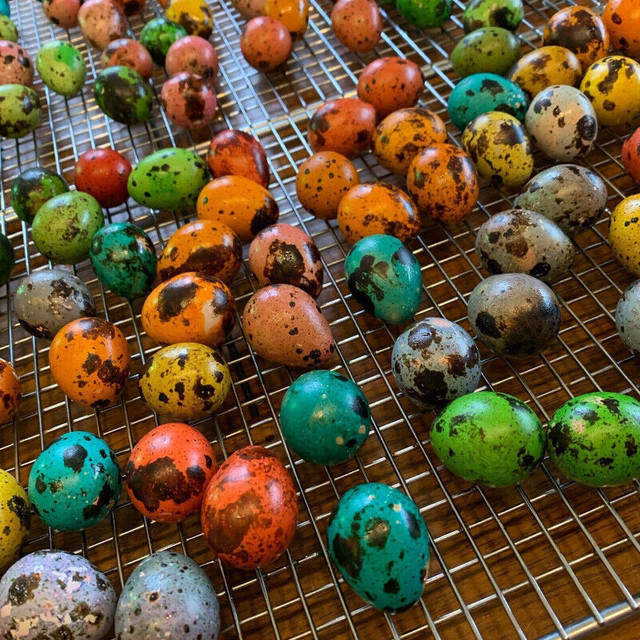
(202, 246)
(622, 20)
(294, 14)
(323, 179)
(399, 138)
(357, 24)
(370, 209)
(236, 153)
(89, 360)
(443, 183)
(190, 307)
(240, 203)
(9, 391)
(390, 84)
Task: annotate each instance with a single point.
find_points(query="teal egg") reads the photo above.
(379, 542)
(124, 259)
(384, 277)
(75, 482)
(5, 9)
(484, 92)
(61, 67)
(486, 50)
(158, 35)
(325, 417)
(168, 179)
(507, 14)
(7, 259)
(123, 95)
(64, 227)
(32, 188)
(20, 110)
(488, 438)
(426, 14)
(594, 439)
(8, 30)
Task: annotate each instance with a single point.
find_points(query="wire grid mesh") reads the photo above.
(548, 559)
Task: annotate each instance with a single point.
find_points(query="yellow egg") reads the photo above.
(294, 14)
(624, 234)
(194, 15)
(15, 517)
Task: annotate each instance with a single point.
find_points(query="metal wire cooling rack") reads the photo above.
(549, 559)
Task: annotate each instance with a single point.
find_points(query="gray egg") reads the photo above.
(434, 362)
(514, 314)
(628, 316)
(573, 197)
(562, 123)
(522, 241)
(47, 300)
(55, 594)
(167, 597)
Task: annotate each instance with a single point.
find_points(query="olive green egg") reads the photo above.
(20, 110)
(8, 30)
(7, 259)
(158, 35)
(123, 95)
(32, 188)
(507, 14)
(486, 50)
(64, 227)
(489, 438)
(594, 439)
(61, 67)
(425, 14)
(168, 179)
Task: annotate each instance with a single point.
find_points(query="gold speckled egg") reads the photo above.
(9, 391)
(624, 234)
(294, 14)
(185, 381)
(15, 516)
(194, 15)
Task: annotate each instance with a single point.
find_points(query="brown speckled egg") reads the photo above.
(580, 30)
(193, 54)
(323, 180)
(190, 307)
(128, 53)
(284, 324)
(64, 13)
(89, 360)
(370, 209)
(284, 254)
(344, 125)
(248, 8)
(357, 24)
(399, 138)
(188, 100)
(202, 246)
(265, 43)
(443, 183)
(237, 153)
(16, 66)
(294, 14)
(101, 22)
(240, 203)
(390, 84)
(9, 391)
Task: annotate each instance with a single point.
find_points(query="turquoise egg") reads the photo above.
(124, 259)
(594, 439)
(384, 277)
(379, 542)
(5, 9)
(484, 92)
(75, 482)
(325, 417)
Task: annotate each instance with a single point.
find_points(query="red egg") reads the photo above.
(129, 53)
(168, 472)
(250, 509)
(193, 54)
(103, 173)
(188, 100)
(237, 153)
(631, 156)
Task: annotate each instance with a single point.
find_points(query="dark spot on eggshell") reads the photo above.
(22, 589)
(74, 457)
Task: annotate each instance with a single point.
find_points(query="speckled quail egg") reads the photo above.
(32, 188)
(188, 100)
(10, 391)
(16, 66)
(507, 14)
(624, 234)
(357, 24)
(8, 30)
(101, 21)
(158, 35)
(485, 50)
(20, 110)
(15, 516)
(628, 316)
(61, 67)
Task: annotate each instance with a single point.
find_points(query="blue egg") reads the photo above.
(379, 542)
(484, 92)
(384, 277)
(5, 9)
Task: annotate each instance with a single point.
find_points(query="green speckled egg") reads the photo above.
(7, 259)
(507, 14)
(75, 482)
(124, 259)
(20, 110)
(123, 94)
(595, 439)
(15, 516)
(8, 30)
(384, 277)
(486, 50)
(158, 35)
(168, 179)
(32, 188)
(65, 225)
(379, 542)
(488, 438)
(61, 67)
(425, 14)
(325, 417)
